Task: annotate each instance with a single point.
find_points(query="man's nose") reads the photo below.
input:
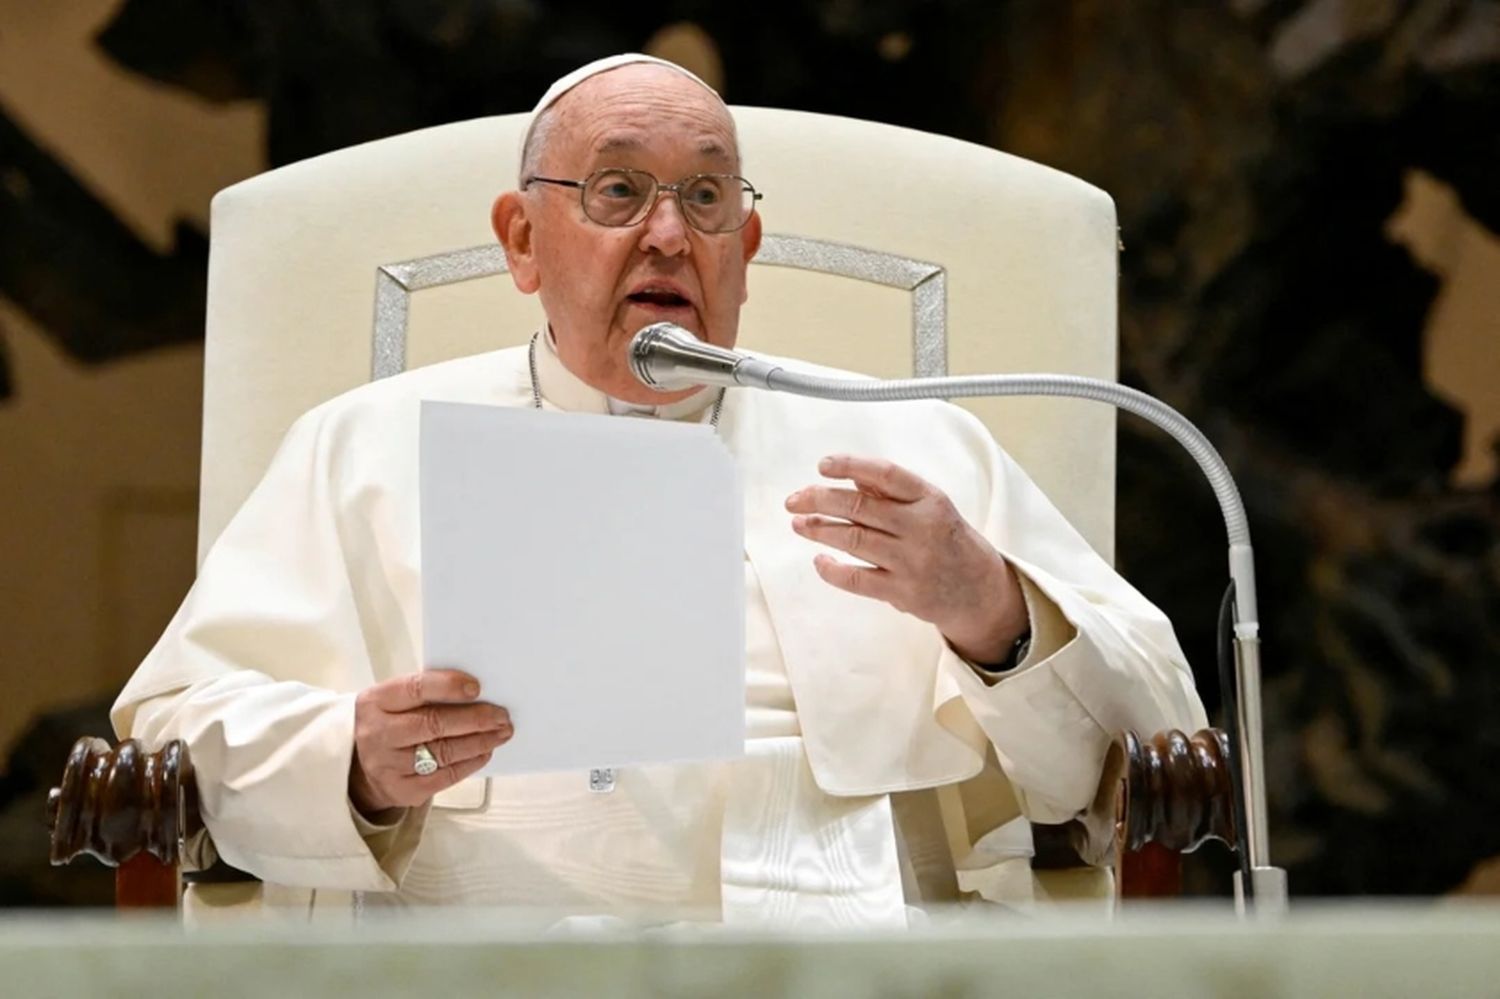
(664, 229)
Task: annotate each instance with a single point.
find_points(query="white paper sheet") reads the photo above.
(589, 570)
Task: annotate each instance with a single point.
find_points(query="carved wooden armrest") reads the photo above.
(132, 810)
(1177, 792)
(1157, 799)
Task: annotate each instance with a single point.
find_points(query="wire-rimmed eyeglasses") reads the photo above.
(613, 196)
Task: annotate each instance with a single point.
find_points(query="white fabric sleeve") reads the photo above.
(389, 820)
(1103, 659)
(258, 671)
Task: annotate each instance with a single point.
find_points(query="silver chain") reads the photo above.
(536, 385)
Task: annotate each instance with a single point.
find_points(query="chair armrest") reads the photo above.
(1157, 799)
(1176, 790)
(130, 809)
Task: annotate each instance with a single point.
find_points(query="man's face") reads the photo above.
(599, 285)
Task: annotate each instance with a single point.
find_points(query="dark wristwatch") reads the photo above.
(1018, 651)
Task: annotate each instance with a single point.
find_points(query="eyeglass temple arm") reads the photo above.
(579, 184)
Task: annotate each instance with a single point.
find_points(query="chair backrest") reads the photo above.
(887, 250)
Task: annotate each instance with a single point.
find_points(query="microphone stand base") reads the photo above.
(1270, 895)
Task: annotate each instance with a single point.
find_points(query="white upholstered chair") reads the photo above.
(886, 250)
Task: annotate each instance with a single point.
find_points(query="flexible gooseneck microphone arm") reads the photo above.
(664, 356)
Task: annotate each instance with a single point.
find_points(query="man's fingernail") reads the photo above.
(793, 498)
(826, 465)
(471, 688)
(799, 522)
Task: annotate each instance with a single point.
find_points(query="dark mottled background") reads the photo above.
(1258, 151)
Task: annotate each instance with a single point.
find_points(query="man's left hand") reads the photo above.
(924, 557)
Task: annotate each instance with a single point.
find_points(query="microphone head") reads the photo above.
(664, 357)
(647, 342)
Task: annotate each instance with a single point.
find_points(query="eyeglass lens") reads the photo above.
(710, 202)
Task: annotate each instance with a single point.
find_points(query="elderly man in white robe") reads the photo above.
(907, 713)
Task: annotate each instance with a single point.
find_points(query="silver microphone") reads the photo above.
(664, 356)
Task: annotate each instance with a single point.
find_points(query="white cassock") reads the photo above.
(881, 769)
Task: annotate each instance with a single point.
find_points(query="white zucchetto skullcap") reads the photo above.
(573, 79)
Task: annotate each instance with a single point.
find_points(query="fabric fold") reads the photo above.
(792, 856)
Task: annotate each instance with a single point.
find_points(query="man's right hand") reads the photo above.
(435, 707)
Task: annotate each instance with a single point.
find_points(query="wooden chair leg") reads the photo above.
(143, 882)
(1153, 871)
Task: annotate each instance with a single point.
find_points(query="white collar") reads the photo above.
(566, 391)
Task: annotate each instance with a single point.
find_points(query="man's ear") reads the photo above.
(750, 242)
(513, 229)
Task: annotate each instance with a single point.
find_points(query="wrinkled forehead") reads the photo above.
(633, 105)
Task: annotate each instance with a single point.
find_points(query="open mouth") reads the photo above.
(659, 299)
